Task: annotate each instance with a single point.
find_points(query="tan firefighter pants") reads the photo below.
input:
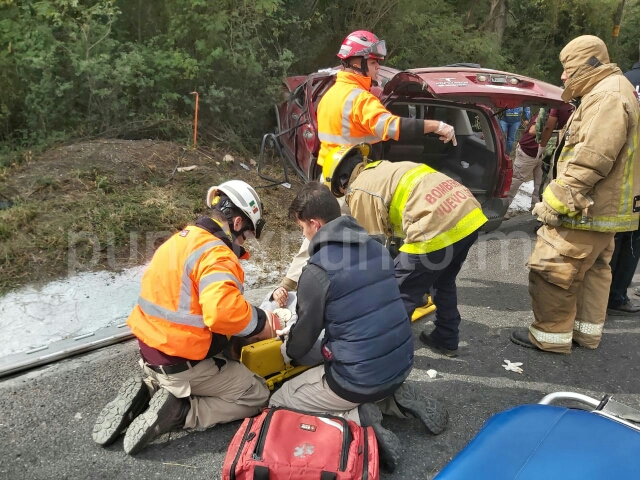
(309, 392)
(569, 279)
(522, 168)
(217, 395)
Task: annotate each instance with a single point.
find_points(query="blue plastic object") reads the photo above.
(548, 442)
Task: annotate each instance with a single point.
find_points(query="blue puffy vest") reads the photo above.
(368, 344)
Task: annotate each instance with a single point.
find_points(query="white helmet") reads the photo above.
(244, 197)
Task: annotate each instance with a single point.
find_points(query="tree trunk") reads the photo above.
(497, 19)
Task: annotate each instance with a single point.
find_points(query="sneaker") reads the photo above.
(636, 291)
(627, 309)
(436, 347)
(165, 413)
(133, 399)
(388, 443)
(426, 409)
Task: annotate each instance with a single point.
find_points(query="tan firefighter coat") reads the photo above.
(413, 201)
(598, 169)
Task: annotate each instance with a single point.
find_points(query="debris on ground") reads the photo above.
(513, 366)
(187, 169)
(227, 158)
(432, 373)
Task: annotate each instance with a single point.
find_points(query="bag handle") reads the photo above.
(260, 472)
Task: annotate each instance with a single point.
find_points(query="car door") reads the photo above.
(299, 124)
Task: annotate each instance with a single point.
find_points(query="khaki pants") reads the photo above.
(522, 168)
(290, 280)
(310, 393)
(217, 395)
(569, 281)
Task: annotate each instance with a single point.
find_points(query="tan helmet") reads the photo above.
(335, 158)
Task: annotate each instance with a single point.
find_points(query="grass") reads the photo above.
(108, 205)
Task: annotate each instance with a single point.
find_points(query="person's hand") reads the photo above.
(540, 153)
(280, 296)
(546, 214)
(271, 325)
(283, 351)
(525, 123)
(285, 331)
(447, 133)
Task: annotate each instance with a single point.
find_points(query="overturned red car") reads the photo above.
(463, 95)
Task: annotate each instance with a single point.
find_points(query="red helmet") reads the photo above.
(362, 44)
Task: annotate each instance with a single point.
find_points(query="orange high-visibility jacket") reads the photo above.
(192, 290)
(349, 114)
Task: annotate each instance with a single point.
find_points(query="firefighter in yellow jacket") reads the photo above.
(593, 195)
(349, 114)
(190, 304)
(436, 218)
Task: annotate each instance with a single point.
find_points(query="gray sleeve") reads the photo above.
(312, 295)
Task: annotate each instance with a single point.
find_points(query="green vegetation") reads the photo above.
(86, 68)
(73, 71)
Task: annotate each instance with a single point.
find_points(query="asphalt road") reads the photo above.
(46, 415)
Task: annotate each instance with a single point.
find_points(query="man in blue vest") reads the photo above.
(348, 289)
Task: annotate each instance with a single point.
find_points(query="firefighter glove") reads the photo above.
(546, 214)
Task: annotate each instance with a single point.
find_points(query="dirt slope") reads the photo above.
(107, 204)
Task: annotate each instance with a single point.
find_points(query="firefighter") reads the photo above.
(436, 218)
(593, 195)
(190, 304)
(349, 114)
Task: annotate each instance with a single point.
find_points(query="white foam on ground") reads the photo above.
(36, 316)
(522, 200)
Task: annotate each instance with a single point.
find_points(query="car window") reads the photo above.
(299, 96)
(474, 120)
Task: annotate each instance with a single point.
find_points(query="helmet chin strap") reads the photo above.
(363, 69)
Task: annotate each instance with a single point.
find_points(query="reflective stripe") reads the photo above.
(588, 328)
(180, 317)
(554, 338)
(471, 222)
(407, 183)
(392, 131)
(626, 223)
(219, 277)
(184, 304)
(346, 112)
(253, 323)
(353, 38)
(626, 196)
(381, 123)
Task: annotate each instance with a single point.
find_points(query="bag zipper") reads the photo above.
(365, 469)
(245, 438)
(257, 454)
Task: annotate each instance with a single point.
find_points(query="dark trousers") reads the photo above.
(623, 266)
(435, 272)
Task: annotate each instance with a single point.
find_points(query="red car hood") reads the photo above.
(483, 86)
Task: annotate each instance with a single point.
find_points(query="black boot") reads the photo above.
(435, 346)
(133, 399)
(426, 409)
(165, 413)
(521, 337)
(388, 443)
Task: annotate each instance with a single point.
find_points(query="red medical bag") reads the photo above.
(285, 444)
